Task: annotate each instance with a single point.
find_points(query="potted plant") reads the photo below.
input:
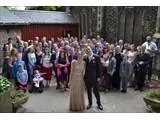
(152, 100)
(10, 98)
(5, 101)
(18, 98)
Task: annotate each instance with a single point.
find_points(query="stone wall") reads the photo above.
(5, 33)
(132, 24)
(87, 18)
(138, 25)
(135, 23)
(121, 23)
(111, 23)
(150, 16)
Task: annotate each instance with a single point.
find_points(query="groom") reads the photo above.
(92, 74)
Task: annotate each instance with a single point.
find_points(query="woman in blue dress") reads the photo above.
(15, 63)
(22, 78)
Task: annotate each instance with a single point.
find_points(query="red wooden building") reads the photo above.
(46, 23)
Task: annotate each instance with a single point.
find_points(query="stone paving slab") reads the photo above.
(52, 100)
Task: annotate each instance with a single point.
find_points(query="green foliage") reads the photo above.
(7, 7)
(17, 95)
(4, 84)
(50, 8)
(155, 94)
(10, 7)
(47, 8)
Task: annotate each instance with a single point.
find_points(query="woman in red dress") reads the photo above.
(47, 66)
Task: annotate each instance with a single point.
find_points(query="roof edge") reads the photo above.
(39, 11)
(2, 23)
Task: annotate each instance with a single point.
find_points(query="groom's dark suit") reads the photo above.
(92, 72)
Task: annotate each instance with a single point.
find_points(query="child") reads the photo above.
(15, 63)
(125, 72)
(37, 78)
(37, 82)
(22, 78)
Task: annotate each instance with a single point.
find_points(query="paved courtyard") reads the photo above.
(52, 100)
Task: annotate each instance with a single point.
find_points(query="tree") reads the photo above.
(47, 8)
(9, 7)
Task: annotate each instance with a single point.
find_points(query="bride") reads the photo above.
(76, 83)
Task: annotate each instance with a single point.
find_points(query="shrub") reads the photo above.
(5, 84)
(154, 94)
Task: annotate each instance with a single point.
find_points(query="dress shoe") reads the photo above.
(65, 90)
(47, 86)
(57, 87)
(141, 89)
(136, 89)
(89, 106)
(106, 90)
(124, 91)
(100, 107)
(67, 86)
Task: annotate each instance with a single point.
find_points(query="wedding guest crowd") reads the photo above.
(122, 65)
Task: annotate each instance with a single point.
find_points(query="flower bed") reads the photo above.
(152, 100)
(18, 98)
(10, 99)
(5, 101)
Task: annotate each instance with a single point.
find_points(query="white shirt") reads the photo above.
(151, 45)
(90, 57)
(57, 55)
(125, 52)
(32, 58)
(107, 63)
(131, 56)
(46, 61)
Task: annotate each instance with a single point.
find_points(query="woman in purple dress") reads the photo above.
(62, 69)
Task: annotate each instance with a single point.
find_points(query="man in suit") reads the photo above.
(91, 77)
(141, 62)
